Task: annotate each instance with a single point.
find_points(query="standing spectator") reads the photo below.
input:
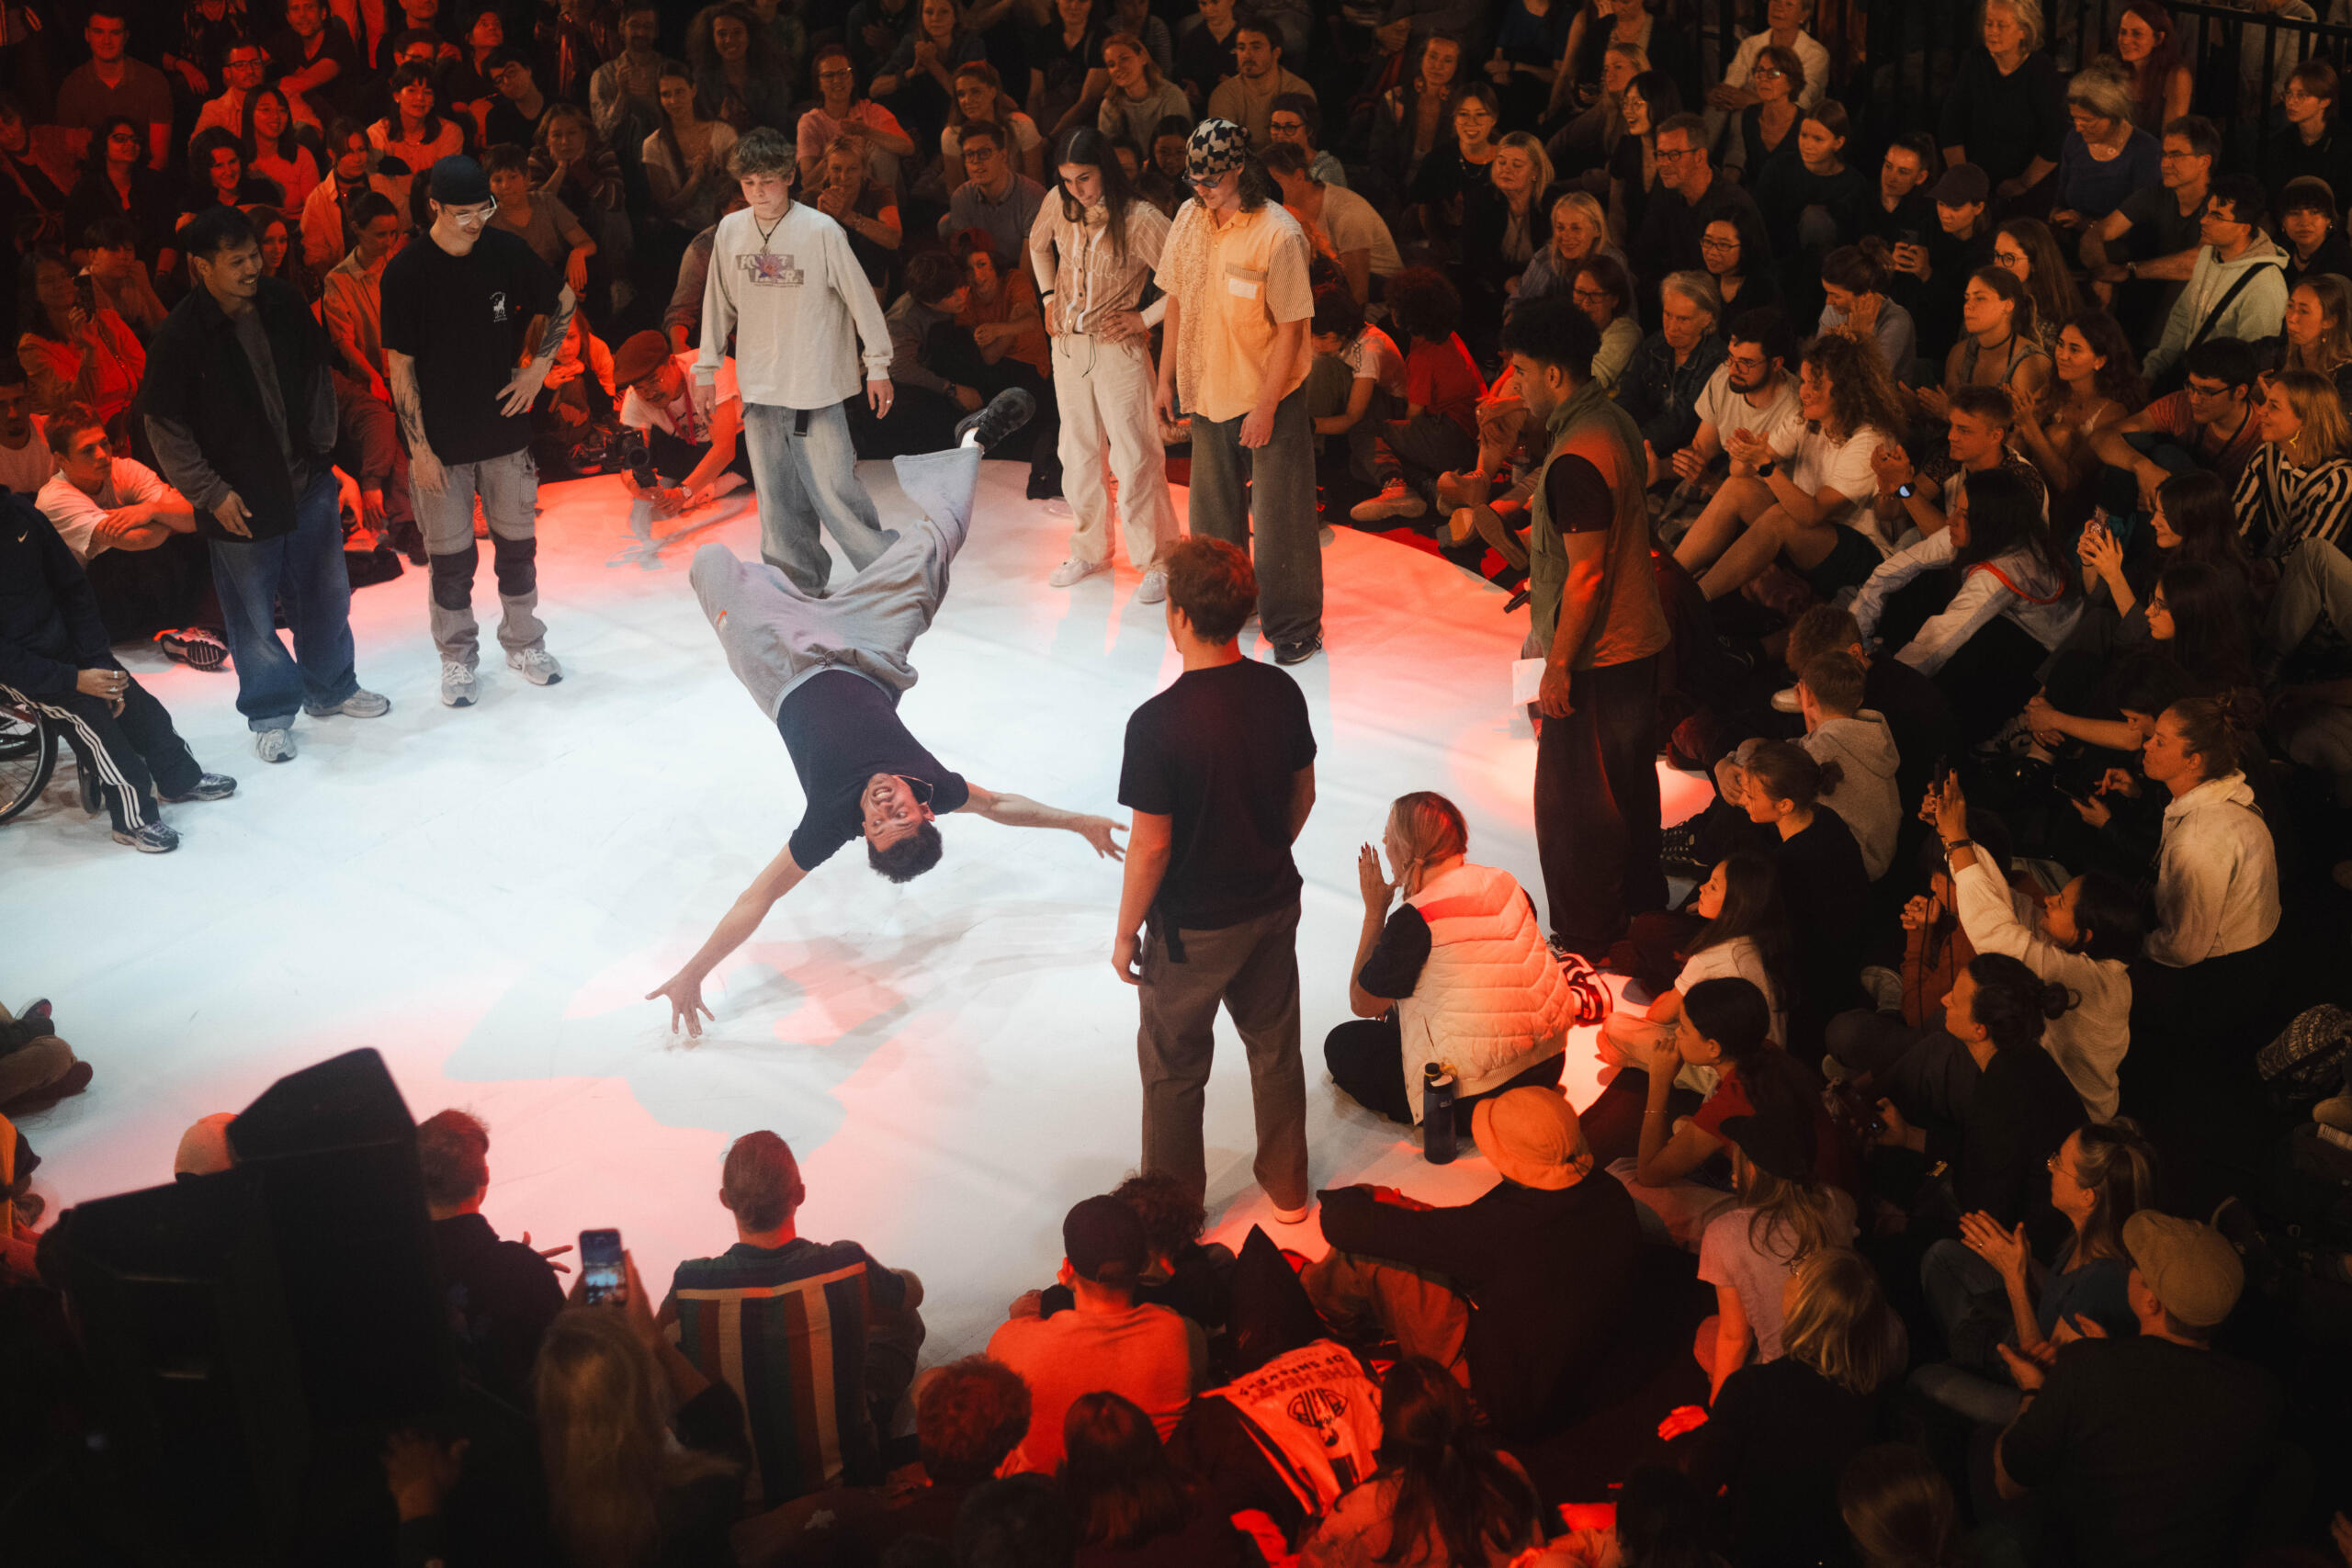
(1092, 280)
(316, 60)
(53, 658)
(995, 197)
(817, 1338)
(1247, 97)
(2146, 1449)
(133, 533)
(785, 283)
(1219, 772)
(241, 409)
(352, 310)
(471, 324)
(1596, 622)
(1547, 1255)
(686, 157)
(1235, 269)
(502, 1294)
(2006, 113)
(625, 93)
(111, 83)
(1148, 1354)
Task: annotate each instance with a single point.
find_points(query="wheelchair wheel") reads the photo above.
(27, 753)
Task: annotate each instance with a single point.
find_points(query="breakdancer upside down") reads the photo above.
(829, 673)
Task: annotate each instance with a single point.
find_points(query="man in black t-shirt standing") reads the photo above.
(828, 672)
(472, 318)
(1219, 772)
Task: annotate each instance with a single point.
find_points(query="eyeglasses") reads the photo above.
(472, 216)
(1744, 361)
(1677, 154)
(835, 74)
(978, 154)
(1592, 297)
(1709, 243)
(1770, 73)
(1286, 125)
(2208, 392)
(2009, 258)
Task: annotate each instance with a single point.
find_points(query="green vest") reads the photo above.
(1592, 425)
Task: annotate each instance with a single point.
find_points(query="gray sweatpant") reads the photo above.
(775, 635)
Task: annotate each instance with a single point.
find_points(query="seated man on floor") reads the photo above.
(696, 459)
(25, 460)
(1549, 1255)
(367, 442)
(136, 536)
(1149, 1354)
(2209, 424)
(1750, 392)
(781, 1318)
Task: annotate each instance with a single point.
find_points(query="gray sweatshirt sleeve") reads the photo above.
(185, 466)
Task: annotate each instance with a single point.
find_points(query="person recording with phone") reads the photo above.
(696, 456)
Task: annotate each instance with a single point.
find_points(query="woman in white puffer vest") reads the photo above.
(1459, 974)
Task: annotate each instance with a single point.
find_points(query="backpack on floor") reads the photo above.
(2309, 1059)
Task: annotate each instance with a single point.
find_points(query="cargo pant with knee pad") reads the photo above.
(508, 488)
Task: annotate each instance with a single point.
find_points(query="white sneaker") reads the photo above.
(361, 704)
(1396, 500)
(1074, 571)
(1293, 1216)
(274, 745)
(538, 665)
(1154, 587)
(1785, 700)
(456, 685)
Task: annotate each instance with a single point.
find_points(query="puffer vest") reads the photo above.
(1491, 1002)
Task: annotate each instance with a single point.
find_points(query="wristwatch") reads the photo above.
(1764, 470)
(1903, 490)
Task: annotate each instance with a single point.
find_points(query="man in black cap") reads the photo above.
(1961, 243)
(472, 320)
(1149, 1354)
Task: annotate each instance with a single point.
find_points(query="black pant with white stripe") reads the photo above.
(134, 753)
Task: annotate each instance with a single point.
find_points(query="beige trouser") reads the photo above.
(1106, 391)
(1366, 1297)
(33, 1065)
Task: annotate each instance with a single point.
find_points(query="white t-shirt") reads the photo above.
(678, 417)
(77, 516)
(1819, 463)
(1354, 224)
(26, 468)
(1374, 358)
(1738, 959)
(1753, 1261)
(1779, 421)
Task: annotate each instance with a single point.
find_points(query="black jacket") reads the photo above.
(199, 378)
(502, 1296)
(49, 628)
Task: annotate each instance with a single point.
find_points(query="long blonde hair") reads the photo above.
(604, 1438)
(1430, 828)
(2333, 344)
(1838, 1325)
(2325, 432)
(1801, 1212)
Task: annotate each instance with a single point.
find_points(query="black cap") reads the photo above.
(1104, 1236)
(1963, 185)
(457, 181)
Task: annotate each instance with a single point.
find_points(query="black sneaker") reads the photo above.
(1298, 652)
(1679, 853)
(1005, 413)
(209, 787)
(194, 645)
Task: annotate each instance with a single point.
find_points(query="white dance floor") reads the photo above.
(484, 896)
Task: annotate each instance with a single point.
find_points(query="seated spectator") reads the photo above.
(1822, 874)
(2026, 248)
(1129, 1503)
(1355, 387)
(1779, 1215)
(1988, 1289)
(326, 213)
(53, 658)
(218, 178)
(274, 153)
(970, 1416)
(1474, 988)
(1149, 1354)
(1784, 28)
(2146, 1448)
(1661, 385)
(571, 162)
(1957, 244)
(2140, 255)
(1750, 392)
(2005, 112)
(994, 197)
(839, 109)
(2309, 144)
(1690, 198)
(1634, 171)
(502, 1295)
(1297, 122)
(782, 1319)
(415, 135)
(1919, 500)
(740, 73)
(685, 158)
(1806, 500)
(2106, 157)
(1161, 179)
(1547, 1255)
(1443, 1493)
(33, 182)
(1602, 291)
(1065, 74)
(37, 1069)
(917, 77)
(1902, 213)
(118, 278)
(2022, 1108)
(514, 115)
(1440, 428)
(135, 534)
(697, 458)
(539, 219)
(316, 62)
(2209, 424)
(1004, 321)
(1841, 734)
(1247, 97)
(683, 318)
(2162, 79)
(2237, 288)
(2314, 245)
(204, 1148)
(114, 181)
(1854, 293)
(1136, 97)
(1579, 231)
(1179, 1271)
(1813, 203)
(2000, 344)
(243, 69)
(1587, 145)
(1501, 231)
(1340, 224)
(1458, 176)
(1782, 1432)
(2298, 485)
(351, 308)
(2014, 604)
(1744, 935)
(25, 460)
(2095, 385)
(112, 83)
(1915, 710)
(2217, 870)
(980, 94)
(1764, 133)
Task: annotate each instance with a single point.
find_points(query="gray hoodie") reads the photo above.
(1863, 749)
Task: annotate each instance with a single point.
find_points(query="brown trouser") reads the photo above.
(32, 1067)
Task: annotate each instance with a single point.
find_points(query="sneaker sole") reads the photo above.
(143, 847)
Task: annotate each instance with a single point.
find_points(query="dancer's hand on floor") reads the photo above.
(684, 993)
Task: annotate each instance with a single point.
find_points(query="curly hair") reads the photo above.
(970, 1415)
(1861, 392)
(1425, 304)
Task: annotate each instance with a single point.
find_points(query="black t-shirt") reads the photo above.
(1217, 751)
(461, 318)
(2157, 227)
(841, 730)
(1578, 496)
(1777, 1440)
(2145, 1451)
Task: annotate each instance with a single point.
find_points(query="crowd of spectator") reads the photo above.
(1976, 526)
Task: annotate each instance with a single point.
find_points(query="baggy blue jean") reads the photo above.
(304, 568)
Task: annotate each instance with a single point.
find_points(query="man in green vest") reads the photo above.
(1597, 624)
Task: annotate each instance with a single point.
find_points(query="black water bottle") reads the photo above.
(1437, 1114)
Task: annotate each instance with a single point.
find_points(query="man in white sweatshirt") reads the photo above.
(784, 284)
(2238, 288)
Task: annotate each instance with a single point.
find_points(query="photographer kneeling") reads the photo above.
(696, 459)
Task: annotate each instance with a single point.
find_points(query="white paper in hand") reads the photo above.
(1526, 680)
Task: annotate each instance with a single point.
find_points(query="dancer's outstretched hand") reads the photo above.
(1098, 832)
(684, 993)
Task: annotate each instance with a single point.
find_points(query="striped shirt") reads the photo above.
(2280, 505)
(786, 1327)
